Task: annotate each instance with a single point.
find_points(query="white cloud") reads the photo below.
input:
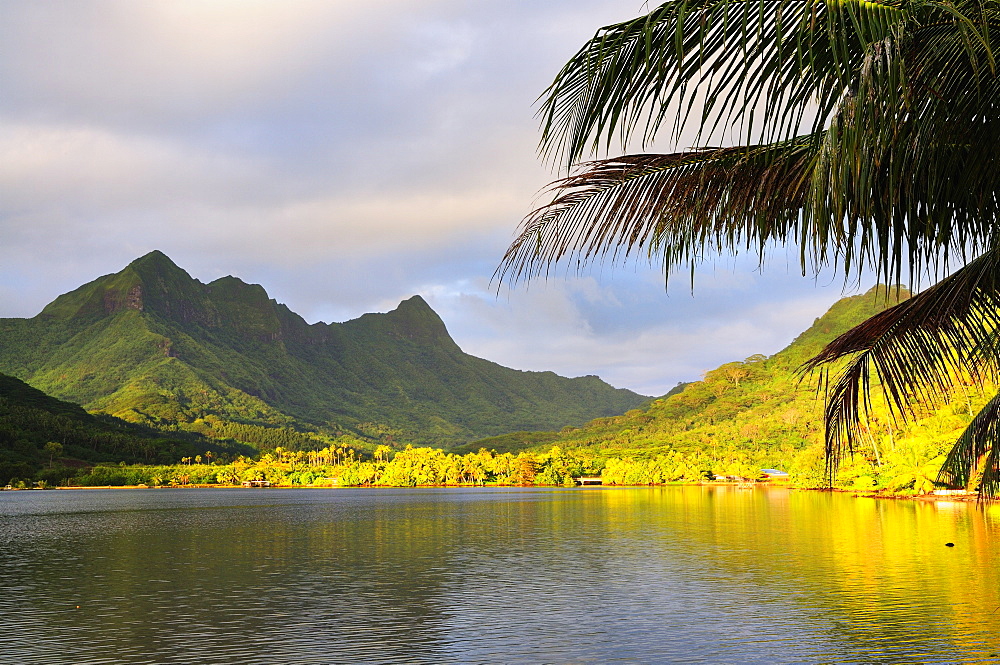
(89, 168)
(118, 60)
(443, 46)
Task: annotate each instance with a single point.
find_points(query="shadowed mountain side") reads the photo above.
(150, 344)
(30, 420)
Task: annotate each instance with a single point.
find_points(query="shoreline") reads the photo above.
(952, 496)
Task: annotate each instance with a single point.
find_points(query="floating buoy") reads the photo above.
(949, 544)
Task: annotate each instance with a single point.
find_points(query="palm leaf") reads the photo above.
(739, 58)
(908, 161)
(870, 130)
(915, 349)
(976, 449)
(907, 175)
(675, 206)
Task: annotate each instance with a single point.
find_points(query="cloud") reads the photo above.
(629, 330)
(89, 168)
(345, 155)
(148, 63)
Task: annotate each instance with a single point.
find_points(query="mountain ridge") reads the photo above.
(153, 345)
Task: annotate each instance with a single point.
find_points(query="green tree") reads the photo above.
(867, 133)
(53, 449)
(525, 468)
(228, 476)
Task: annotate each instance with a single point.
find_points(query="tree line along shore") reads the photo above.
(427, 467)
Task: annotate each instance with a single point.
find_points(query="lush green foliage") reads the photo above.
(151, 345)
(866, 127)
(343, 466)
(759, 413)
(39, 434)
(513, 442)
(742, 417)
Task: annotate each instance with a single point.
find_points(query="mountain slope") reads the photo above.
(758, 410)
(760, 413)
(152, 345)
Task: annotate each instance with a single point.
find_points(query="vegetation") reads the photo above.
(741, 418)
(345, 467)
(867, 132)
(40, 435)
(153, 346)
(756, 414)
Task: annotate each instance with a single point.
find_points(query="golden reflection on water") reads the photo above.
(881, 571)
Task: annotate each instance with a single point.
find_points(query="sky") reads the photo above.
(345, 154)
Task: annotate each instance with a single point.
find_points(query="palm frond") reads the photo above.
(870, 131)
(904, 93)
(740, 59)
(915, 349)
(677, 206)
(908, 160)
(976, 451)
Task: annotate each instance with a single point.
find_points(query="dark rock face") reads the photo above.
(113, 302)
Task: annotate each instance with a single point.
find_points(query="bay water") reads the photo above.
(495, 575)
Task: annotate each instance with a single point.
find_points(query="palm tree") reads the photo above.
(867, 134)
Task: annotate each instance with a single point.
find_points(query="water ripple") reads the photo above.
(687, 575)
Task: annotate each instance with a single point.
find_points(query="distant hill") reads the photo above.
(758, 410)
(152, 345)
(29, 419)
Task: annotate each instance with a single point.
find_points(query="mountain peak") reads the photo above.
(160, 347)
(413, 305)
(157, 266)
(153, 258)
(414, 319)
(151, 282)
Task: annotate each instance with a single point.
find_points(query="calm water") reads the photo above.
(662, 575)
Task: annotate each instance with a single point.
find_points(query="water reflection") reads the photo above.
(495, 575)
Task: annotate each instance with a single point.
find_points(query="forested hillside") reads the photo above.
(739, 405)
(40, 432)
(742, 417)
(761, 413)
(152, 345)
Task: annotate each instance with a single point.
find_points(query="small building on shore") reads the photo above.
(596, 480)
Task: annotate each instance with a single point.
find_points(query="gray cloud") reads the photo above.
(346, 155)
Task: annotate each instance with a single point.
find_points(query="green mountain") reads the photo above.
(152, 345)
(759, 412)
